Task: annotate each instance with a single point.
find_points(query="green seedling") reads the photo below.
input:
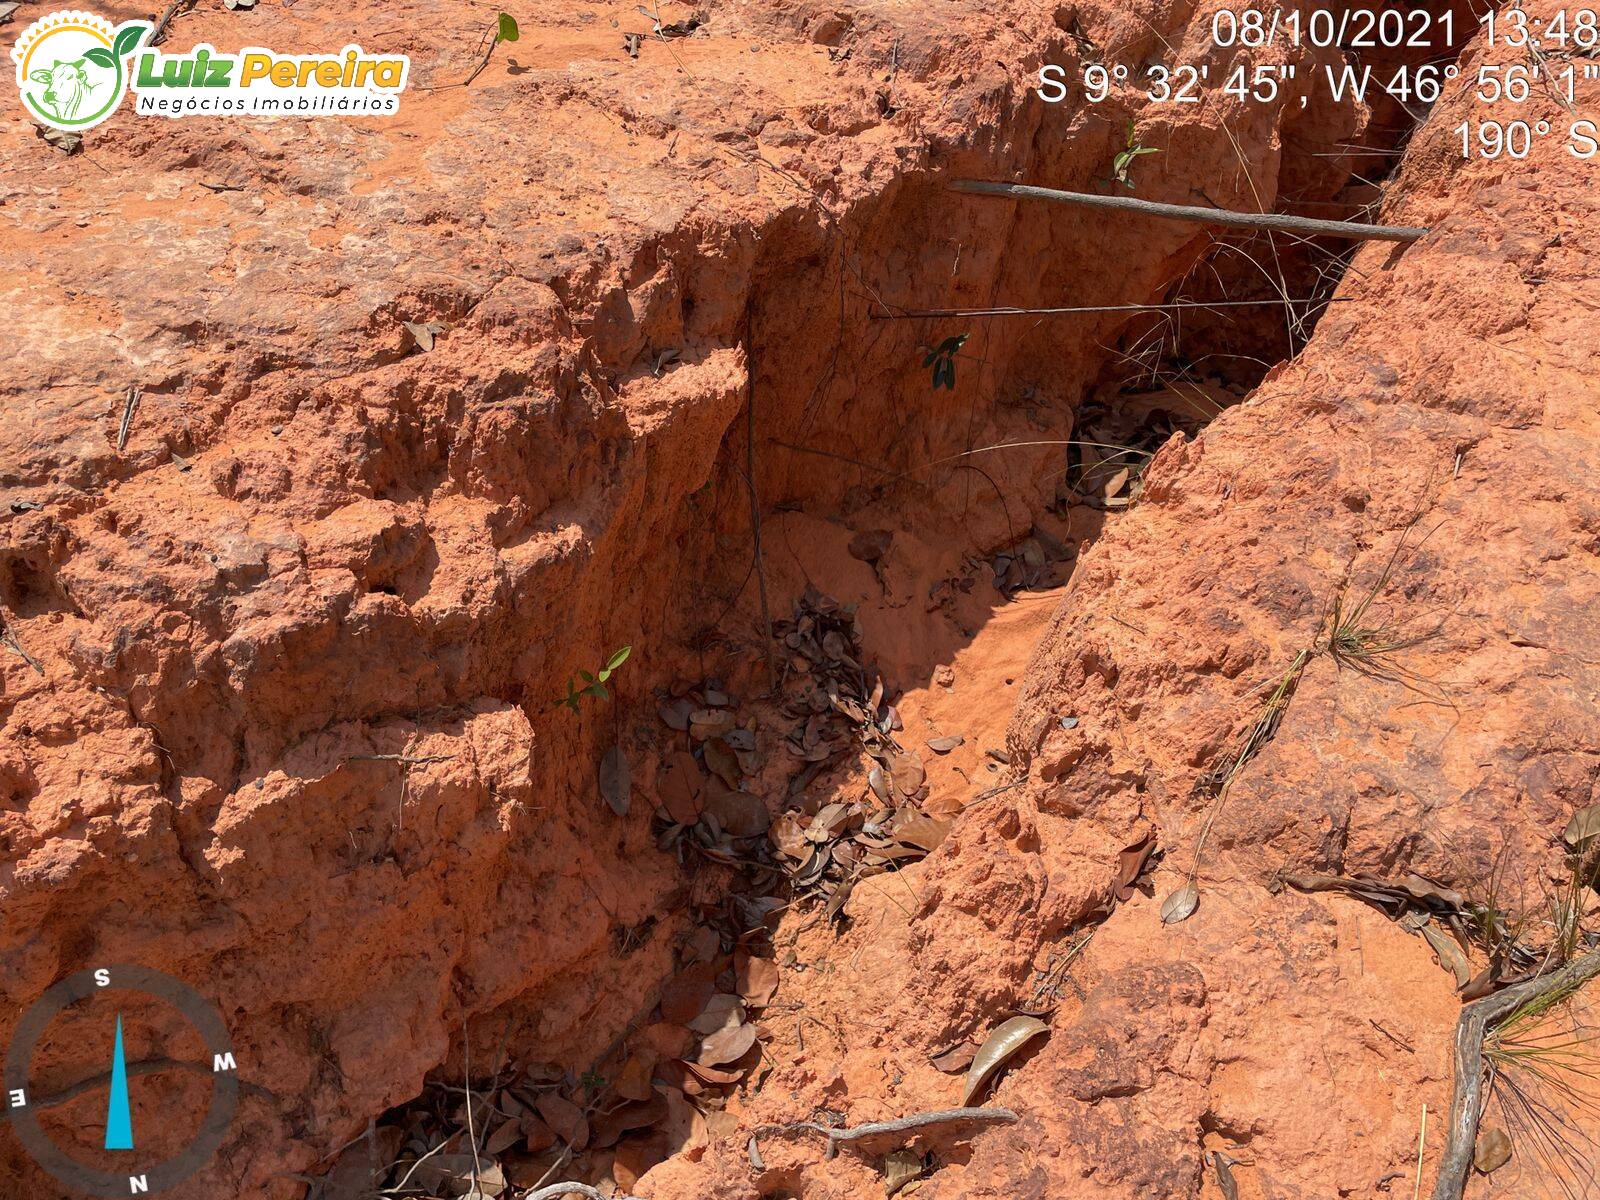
(942, 358)
(504, 30)
(594, 684)
(1124, 159)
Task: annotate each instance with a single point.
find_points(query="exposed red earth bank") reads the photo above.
(280, 681)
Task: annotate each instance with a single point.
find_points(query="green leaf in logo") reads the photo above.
(128, 39)
(508, 29)
(100, 57)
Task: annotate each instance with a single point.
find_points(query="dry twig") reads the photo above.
(1283, 222)
(1466, 1101)
(914, 1123)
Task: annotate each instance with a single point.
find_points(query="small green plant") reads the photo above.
(503, 30)
(1124, 159)
(594, 684)
(942, 358)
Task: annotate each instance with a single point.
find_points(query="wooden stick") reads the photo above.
(906, 314)
(129, 406)
(1466, 1102)
(1310, 226)
(915, 1123)
(160, 30)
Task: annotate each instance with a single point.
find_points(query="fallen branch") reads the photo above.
(406, 759)
(912, 1124)
(160, 30)
(909, 314)
(1308, 226)
(129, 406)
(1466, 1102)
(11, 640)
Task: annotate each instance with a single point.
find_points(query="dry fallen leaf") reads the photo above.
(1180, 905)
(423, 333)
(1222, 1164)
(682, 789)
(633, 1081)
(616, 780)
(1449, 954)
(565, 1118)
(503, 1138)
(758, 979)
(726, 1045)
(943, 745)
(956, 1059)
(1584, 825)
(453, 1174)
(739, 813)
(899, 1169)
(998, 1048)
(67, 143)
(721, 1012)
(713, 1075)
(923, 831)
(684, 999)
(1492, 1151)
(1130, 865)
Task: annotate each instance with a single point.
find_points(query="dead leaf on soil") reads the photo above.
(537, 1136)
(682, 789)
(1222, 1164)
(717, 1076)
(684, 999)
(67, 143)
(998, 1048)
(1493, 1150)
(1448, 952)
(727, 1045)
(720, 1012)
(956, 1059)
(943, 745)
(1180, 905)
(757, 978)
(565, 1118)
(616, 780)
(503, 1138)
(922, 832)
(899, 1169)
(452, 1174)
(1585, 824)
(423, 333)
(633, 1081)
(1130, 865)
(739, 813)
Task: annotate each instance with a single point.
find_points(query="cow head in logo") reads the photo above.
(68, 89)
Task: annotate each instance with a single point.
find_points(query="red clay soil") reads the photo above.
(321, 545)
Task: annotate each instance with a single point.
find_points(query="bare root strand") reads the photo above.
(1466, 1101)
(1283, 222)
(911, 1124)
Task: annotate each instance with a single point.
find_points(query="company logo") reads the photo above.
(73, 68)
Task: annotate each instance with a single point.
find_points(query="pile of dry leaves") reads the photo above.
(839, 711)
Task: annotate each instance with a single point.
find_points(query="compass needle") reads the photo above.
(170, 1150)
(119, 1116)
